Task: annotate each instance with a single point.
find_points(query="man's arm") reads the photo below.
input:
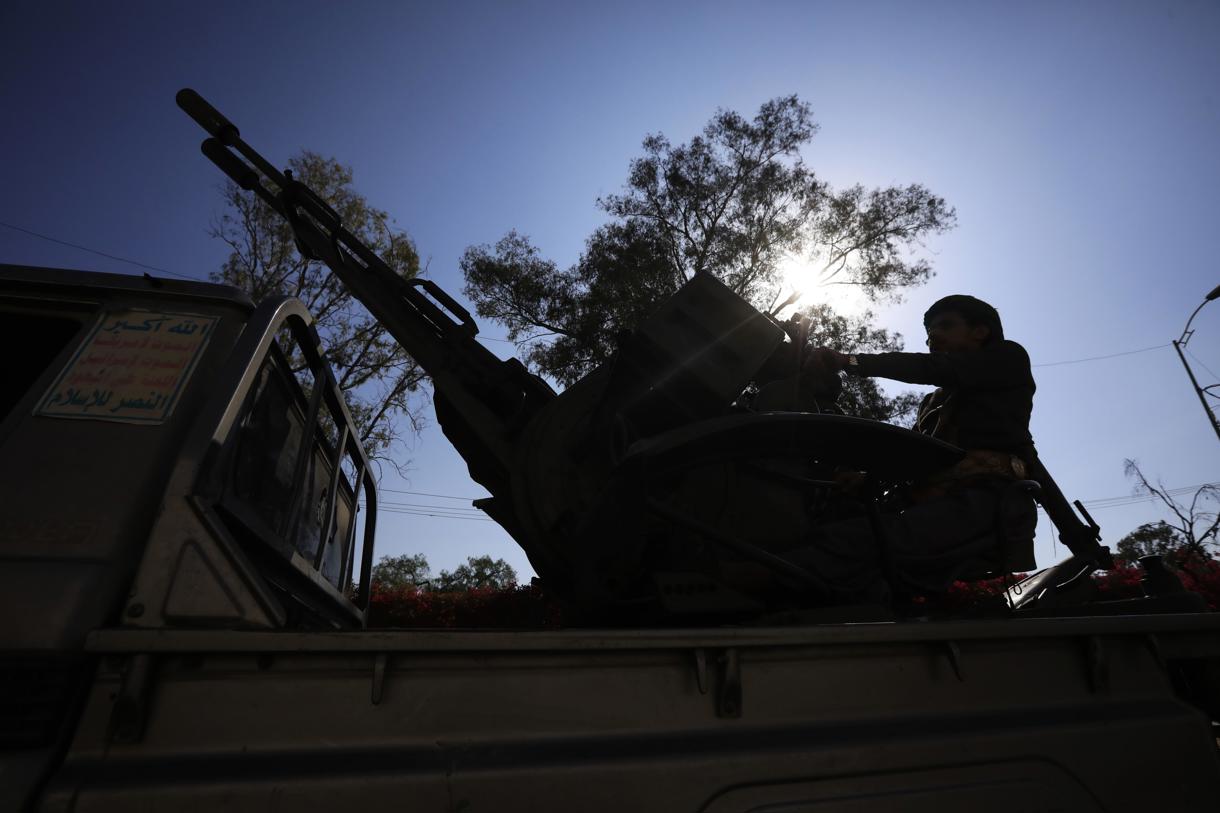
(997, 366)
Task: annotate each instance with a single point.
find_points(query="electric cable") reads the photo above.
(1201, 364)
(99, 253)
(1099, 358)
(443, 512)
(492, 338)
(429, 494)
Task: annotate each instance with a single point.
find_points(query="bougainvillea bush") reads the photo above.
(1198, 574)
(527, 607)
(487, 607)
(1205, 581)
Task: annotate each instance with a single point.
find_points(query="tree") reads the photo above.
(1150, 539)
(1195, 530)
(736, 201)
(396, 572)
(478, 571)
(412, 570)
(378, 378)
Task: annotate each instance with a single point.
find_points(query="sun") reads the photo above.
(802, 280)
(799, 279)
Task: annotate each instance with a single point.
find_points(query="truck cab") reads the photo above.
(171, 456)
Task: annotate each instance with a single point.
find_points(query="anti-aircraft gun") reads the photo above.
(180, 538)
(631, 486)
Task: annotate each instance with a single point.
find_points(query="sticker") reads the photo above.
(132, 367)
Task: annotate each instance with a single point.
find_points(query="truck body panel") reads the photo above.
(1030, 714)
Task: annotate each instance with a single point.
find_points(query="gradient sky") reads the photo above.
(1080, 143)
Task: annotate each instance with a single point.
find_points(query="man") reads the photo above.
(963, 522)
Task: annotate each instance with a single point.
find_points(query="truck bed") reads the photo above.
(1024, 714)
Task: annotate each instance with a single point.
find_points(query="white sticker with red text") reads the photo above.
(132, 367)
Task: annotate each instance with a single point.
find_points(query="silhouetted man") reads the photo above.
(948, 527)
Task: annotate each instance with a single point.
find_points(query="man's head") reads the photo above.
(961, 322)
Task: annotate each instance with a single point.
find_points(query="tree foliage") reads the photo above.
(378, 378)
(737, 201)
(1194, 527)
(861, 396)
(412, 572)
(1150, 539)
(399, 572)
(478, 572)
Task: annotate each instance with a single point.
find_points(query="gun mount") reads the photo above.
(633, 483)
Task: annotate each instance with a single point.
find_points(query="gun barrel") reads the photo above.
(208, 117)
(485, 400)
(230, 164)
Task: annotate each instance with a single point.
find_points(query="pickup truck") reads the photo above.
(188, 529)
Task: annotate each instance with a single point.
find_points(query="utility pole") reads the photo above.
(1180, 343)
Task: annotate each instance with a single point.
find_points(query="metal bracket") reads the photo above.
(700, 657)
(1154, 647)
(729, 697)
(130, 709)
(1098, 664)
(379, 667)
(955, 659)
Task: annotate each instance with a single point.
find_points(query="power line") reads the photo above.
(438, 516)
(429, 494)
(1095, 501)
(458, 512)
(1138, 497)
(492, 338)
(150, 267)
(427, 509)
(442, 512)
(1102, 503)
(392, 501)
(1121, 503)
(95, 251)
(1099, 358)
(1200, 363)
(1044, 364)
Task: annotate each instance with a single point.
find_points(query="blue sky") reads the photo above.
(1078, 142)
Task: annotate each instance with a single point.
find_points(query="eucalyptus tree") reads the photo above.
(736, 201)
(378, 378)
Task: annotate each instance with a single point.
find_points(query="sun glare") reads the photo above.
(800, 279)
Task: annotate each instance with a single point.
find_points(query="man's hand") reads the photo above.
(850, 482)
(826, 359)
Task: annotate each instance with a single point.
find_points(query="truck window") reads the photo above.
(266, 448)
(274, 495)
(311, 529)
(31, 342)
